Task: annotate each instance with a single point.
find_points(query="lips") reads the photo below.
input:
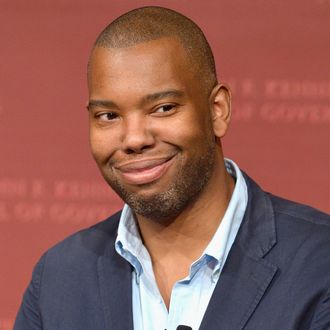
(144, 171)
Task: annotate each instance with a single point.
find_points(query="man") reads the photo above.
(198, 244)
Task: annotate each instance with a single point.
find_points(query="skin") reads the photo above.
(154, 133)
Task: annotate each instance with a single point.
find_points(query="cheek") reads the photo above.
(103, 144)
(187, 131)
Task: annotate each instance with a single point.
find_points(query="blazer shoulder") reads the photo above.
(293, 210)
(95, 240)
(297, 210)
(65, 276)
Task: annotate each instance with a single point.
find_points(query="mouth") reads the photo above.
(144, 171)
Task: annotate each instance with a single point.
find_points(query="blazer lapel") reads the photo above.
(114, 275)
(246, 275)
(242, 284)
(115, 280)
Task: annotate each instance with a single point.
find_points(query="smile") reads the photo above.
(144, 171)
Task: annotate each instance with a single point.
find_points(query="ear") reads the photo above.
(220, 105)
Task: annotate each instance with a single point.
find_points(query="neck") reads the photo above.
(187, 235)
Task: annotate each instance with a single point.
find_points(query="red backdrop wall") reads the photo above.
(274, 54)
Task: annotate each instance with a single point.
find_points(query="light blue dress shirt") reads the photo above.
(191, 295)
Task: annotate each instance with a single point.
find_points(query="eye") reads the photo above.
(107, 116)
(165, 108)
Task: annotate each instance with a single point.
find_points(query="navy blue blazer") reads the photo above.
(276, 277)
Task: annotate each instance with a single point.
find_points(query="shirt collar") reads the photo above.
(128, 242)
(224, 236)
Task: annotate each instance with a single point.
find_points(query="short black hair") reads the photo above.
(151, 23)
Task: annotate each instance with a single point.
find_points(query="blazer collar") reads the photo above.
(115, 280)
(246, 275)
(257, 234)
(114, 275)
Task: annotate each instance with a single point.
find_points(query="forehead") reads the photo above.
(164, 58)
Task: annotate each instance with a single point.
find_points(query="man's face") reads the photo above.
(150, 126)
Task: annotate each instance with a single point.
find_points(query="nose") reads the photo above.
(136, 135)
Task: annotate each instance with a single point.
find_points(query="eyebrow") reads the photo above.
(163, 94)
(146, 99)
(101, 103)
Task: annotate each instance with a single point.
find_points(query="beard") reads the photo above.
(164, 206)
